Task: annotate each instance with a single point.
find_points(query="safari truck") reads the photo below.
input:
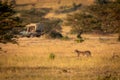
(33, 30)
(41, 28)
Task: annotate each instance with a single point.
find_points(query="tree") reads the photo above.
(109, 16)
(13, 2)
(52, 28)
(82, 22)
(8, 22)
(102, 1)
(103, 17)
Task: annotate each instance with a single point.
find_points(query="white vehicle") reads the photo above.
(33, 30)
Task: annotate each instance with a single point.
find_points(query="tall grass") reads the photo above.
(31, 60)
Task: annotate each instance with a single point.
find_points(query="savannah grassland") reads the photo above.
(30, 58)
(51, 3)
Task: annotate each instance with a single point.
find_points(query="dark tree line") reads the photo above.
(103, 16)
(8, 21)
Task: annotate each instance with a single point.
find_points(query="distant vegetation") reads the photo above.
(52, 56)
(67, 9)
(53, 28)
(54, 35)
(33, 15)
(8, 22)
(102, 16)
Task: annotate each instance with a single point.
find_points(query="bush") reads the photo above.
(34, 15)
(52, 56)
(54, 34)
(67, 9)
(52, 24)
(65, 38)
(79, 40)
(108, 77)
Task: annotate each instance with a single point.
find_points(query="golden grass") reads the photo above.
(34, 53)
(55, 1)
(30, 59)
(51, 3)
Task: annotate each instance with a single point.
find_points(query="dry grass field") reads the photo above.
(30, 59)
(55, 4)
(87, 2)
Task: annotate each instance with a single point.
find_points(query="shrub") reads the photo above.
(52, 56)
(54, 35)
(52, 24)
(79, 40)
(67, 9)
(108, 77)
(65, 38)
